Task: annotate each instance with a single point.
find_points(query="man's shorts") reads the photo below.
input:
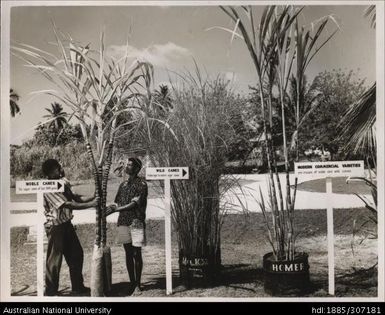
(135, 234)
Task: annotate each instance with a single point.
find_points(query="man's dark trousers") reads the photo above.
(63, 241)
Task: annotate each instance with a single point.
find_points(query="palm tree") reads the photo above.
(370, 12)
(57, 116)
(13, 99)
(358, 124)
(162, 98)
(358, 129)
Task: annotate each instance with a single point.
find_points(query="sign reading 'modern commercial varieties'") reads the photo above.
(330, 169)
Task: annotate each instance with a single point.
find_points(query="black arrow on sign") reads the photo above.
(59, 185)
(183, 172)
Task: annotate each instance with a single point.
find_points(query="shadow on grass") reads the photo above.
(22, 292)
(360, 278)
(231, 276)
(120, 289)
(240, 276)
(243, 274)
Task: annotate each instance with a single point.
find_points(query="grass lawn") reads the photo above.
(243, 245)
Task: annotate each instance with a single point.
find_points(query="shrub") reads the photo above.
(26, 160)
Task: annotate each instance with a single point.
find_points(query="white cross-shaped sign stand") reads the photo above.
(166, 174)
(39, 187)
(330, 169)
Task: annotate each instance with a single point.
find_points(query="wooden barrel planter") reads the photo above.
(284, 277)
(202, 271)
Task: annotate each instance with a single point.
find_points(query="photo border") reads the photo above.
(5, 289)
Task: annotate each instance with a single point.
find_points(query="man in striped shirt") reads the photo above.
(62, 238)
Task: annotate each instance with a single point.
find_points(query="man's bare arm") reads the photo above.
(74, 205)
(82, 199)
(114, 208)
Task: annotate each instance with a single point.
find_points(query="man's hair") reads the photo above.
(136, 162)
(49, 165)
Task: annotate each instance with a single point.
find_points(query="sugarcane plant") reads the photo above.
(106, 94)
(358, 131)
(275, 47)
(308, 42)
(267, 43)
(200, 116)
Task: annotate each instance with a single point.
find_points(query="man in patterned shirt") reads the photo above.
(62, 238)
(131, 203)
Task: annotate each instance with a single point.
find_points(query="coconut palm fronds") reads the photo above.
(358, 129)
(370, 12)
(13, 102)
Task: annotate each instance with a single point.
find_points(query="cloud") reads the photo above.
(162, 55)
(231, 76)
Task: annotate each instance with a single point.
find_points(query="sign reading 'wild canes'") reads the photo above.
(106, 95)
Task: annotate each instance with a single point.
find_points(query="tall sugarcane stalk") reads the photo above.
(306, 48)
(271, 50)
(106, 172)
(87, 84)
(262, 48)
(98, 193)
(273, 47)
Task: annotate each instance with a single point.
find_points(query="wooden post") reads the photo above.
(330, 235)
(167, 222)
(40, 245)
(167, 174)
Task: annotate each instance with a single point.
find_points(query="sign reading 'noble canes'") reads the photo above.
(39, 186)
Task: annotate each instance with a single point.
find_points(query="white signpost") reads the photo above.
(166, 174)
(329, 170)
(39, 187)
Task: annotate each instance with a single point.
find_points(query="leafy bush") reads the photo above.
(338, 91)
(26, 160)
(49, 135)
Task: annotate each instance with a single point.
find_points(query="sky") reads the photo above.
(172, 38)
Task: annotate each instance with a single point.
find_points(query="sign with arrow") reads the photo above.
(161, 173)
(166, 174)
(39, 186)
(328, 170)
